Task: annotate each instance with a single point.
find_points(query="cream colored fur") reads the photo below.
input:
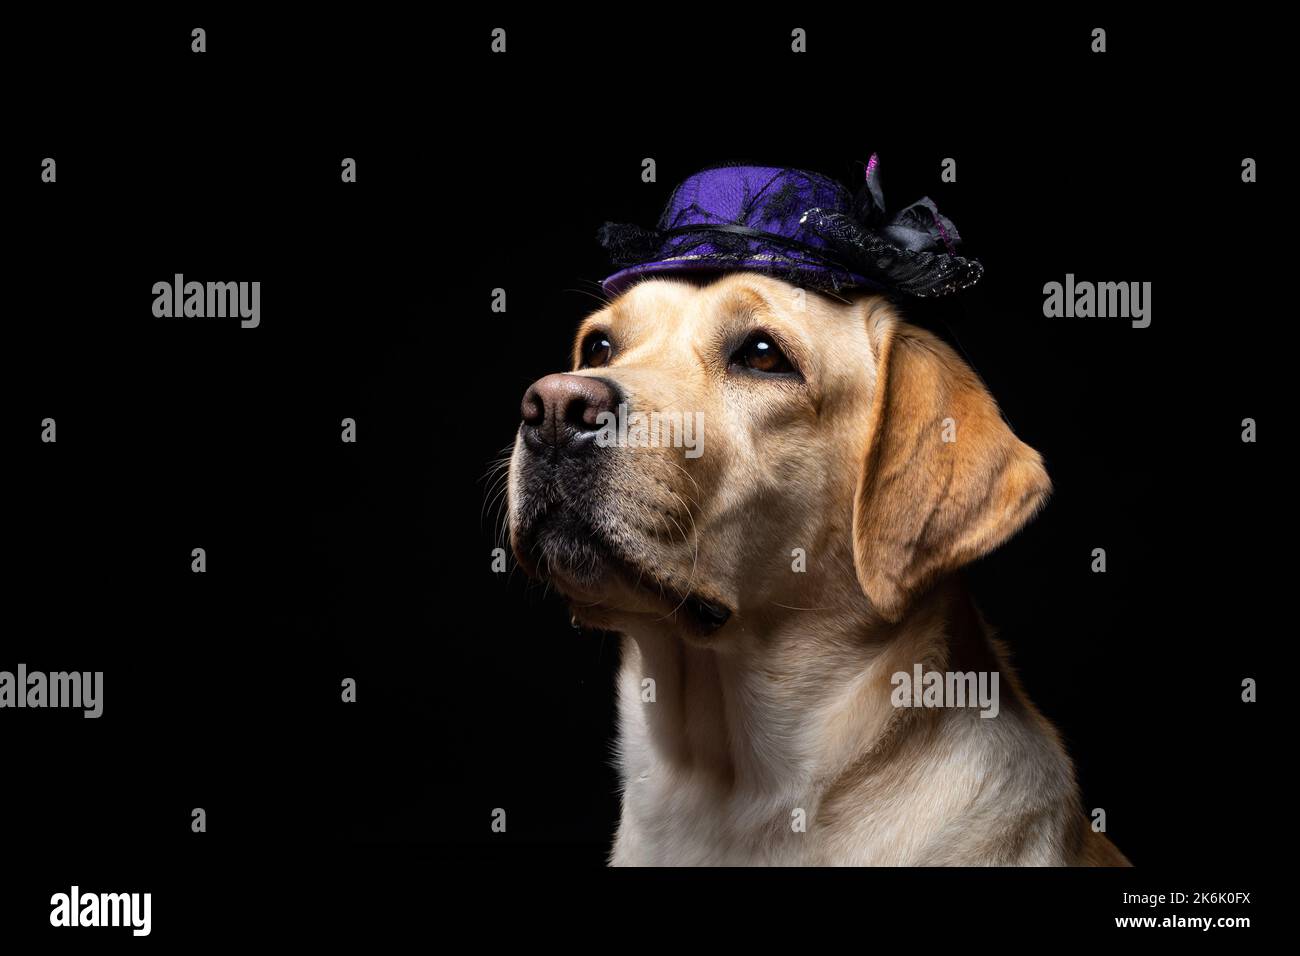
(785, 712)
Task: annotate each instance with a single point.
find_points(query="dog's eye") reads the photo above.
(760, 353)
(596, 350)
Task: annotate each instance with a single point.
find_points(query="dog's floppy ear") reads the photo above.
(943, 480)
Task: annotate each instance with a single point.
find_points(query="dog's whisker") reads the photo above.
(692, 480)
(680, 529)
(602, 299)
(497, 477)
(500, 519)
(695, 558)
(496, 492)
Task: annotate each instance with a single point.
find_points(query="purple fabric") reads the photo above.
(796, 225)
(767, 199)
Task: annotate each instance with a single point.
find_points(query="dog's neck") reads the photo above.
(779, 710)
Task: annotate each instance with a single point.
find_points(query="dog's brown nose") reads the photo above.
(560, 410)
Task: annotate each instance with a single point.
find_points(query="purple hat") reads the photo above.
(799, 226)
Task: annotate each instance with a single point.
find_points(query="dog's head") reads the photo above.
(727, 449)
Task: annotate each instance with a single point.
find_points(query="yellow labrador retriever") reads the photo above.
(767, 492)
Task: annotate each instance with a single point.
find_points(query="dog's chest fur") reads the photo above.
(727, 767)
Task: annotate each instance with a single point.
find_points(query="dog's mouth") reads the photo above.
(709, 615)
(588, 564)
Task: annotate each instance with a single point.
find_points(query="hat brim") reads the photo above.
(814, 276)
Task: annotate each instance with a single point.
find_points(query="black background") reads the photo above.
(372, 560)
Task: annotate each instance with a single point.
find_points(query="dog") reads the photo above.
(771, 589)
